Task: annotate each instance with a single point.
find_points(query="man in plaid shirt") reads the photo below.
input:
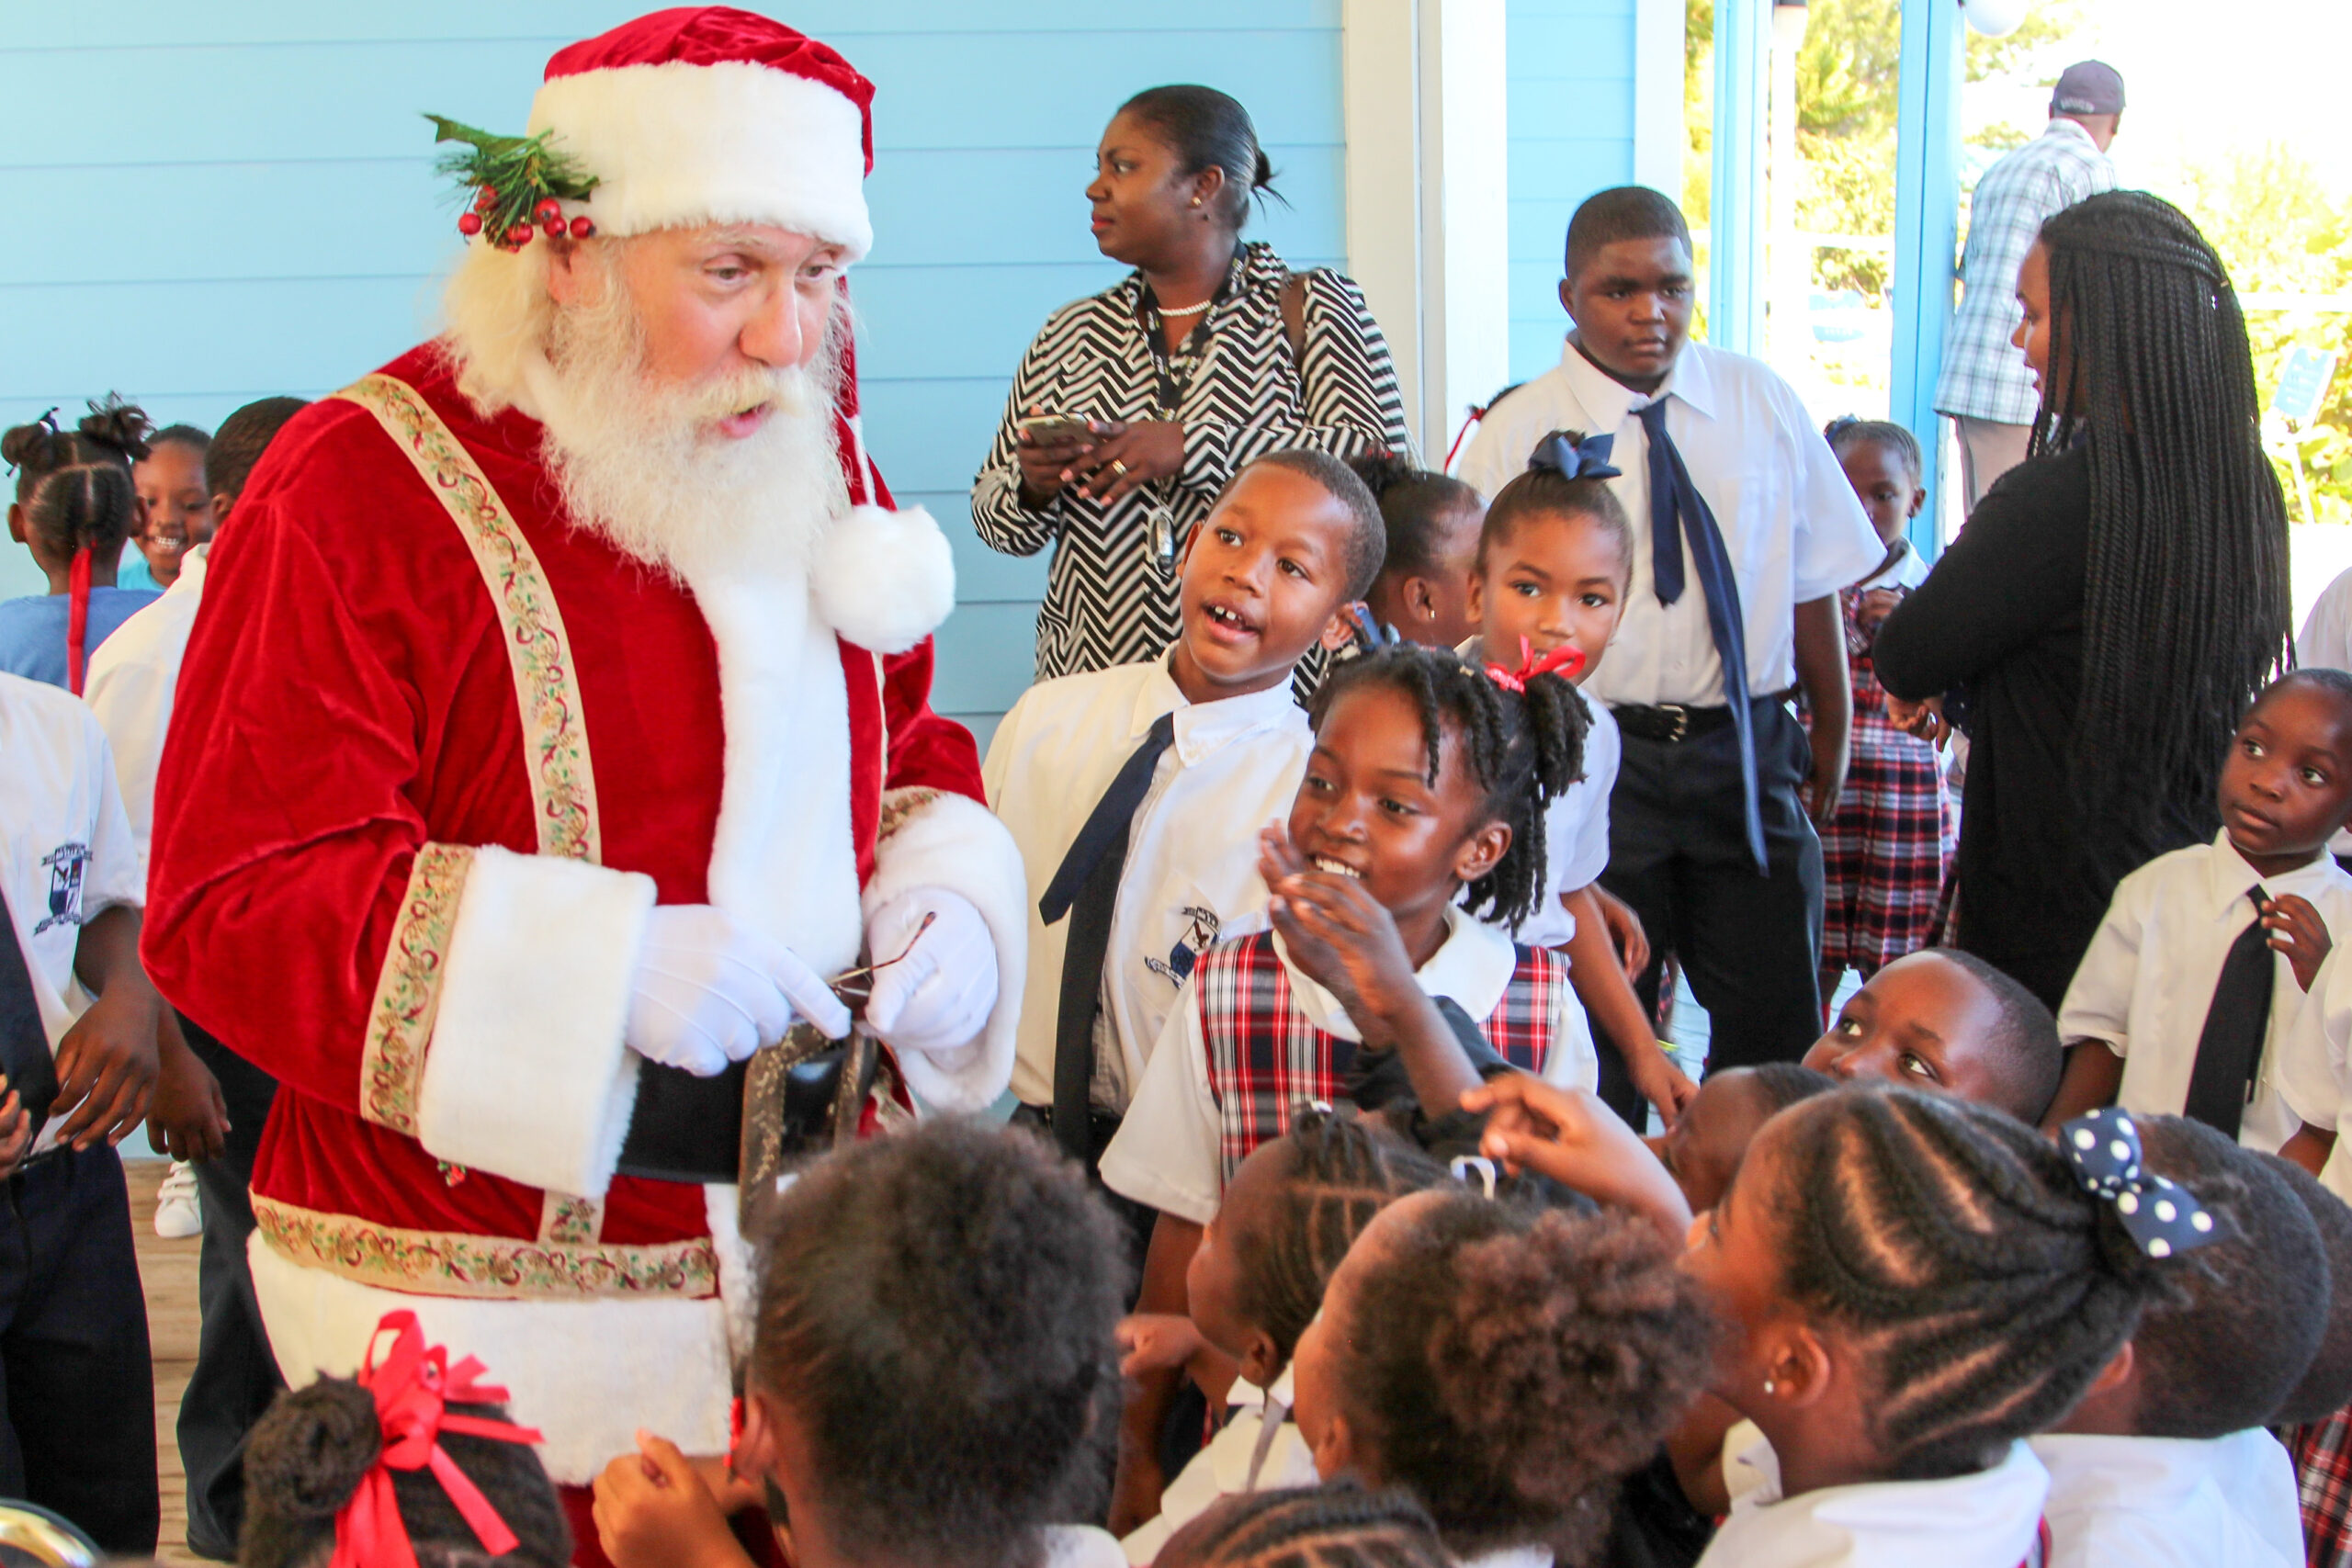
(1986, 388)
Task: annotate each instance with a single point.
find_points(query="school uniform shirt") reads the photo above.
(2148, 977)
(1989, 1519)
(2153, 1500)
(2327, 644)
(2313, 1064)
(1789, 518)
(1191, 865)
(1082, 1546)
(33, 629)
(1196, 1118)
(66, 854)
(130, 683)
(1575, 825)
(1243, 1457)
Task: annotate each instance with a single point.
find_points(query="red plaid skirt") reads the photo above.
(2322, 1454)
(1887, 854)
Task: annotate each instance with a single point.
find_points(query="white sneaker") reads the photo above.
(177, 1213)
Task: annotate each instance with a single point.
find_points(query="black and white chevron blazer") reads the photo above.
(1106, 601)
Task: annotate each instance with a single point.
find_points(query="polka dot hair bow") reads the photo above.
(2162, 1217)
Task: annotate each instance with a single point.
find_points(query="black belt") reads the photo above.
(1672, 723)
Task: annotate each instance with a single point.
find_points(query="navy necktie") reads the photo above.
(1086, 888)
(1679, 512)
(2228, 1048)
(24, 1042)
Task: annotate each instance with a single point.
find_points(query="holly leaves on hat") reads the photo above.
(519, 184)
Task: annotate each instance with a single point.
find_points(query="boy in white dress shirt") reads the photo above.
(2166, 1459)
(78, 1024)
(1272, 572)
(1711, 840)
(2154, 1020)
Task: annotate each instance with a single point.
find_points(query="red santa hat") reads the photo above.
(704, 114)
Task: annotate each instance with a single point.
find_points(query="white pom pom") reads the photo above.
(885, 581)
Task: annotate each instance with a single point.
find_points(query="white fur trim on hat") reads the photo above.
(884, 579)
(733, 142)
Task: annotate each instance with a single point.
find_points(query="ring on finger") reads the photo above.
(1119, 468)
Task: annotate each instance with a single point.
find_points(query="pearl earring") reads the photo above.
(1769, 1387)
(1196, 201)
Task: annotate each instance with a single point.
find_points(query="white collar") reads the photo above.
(2102, 1469)
(2060, 126)
(1893, 570)
(2230, 879)
(1472, 965)
(192, 569)
(1511, 1557)
(1607, 401)
(1872, 1521)
(1205, 728)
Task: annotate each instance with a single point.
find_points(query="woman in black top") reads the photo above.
(1209, 353)
(2116, 600)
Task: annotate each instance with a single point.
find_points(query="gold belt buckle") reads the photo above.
(1681, 721)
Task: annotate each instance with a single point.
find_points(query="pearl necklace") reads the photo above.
(1187, 310)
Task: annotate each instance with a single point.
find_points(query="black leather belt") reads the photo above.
(1670, 722)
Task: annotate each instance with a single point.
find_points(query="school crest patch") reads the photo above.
(1197, 937)
(67, 864)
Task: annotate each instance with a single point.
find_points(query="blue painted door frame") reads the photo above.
(1926, 227)
(1736, 195)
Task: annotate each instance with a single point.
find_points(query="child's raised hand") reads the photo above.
(1569, 1135)
(1156, 1342)
(2297, 930)
(652, 1510)
(1341, 937)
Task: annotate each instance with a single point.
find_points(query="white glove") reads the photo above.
(939, 997)
(709, 990)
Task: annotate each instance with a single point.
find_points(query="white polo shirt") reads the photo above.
(1167, 1154)
(2157, 1501)
(1790, 519)
(2147, 979)
(134, 676)
(66, 854)
(1191, 865)
(1986, 1520)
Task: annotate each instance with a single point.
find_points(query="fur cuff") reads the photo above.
(527, 1077)
(884, 579)
(586, 1374)
(932, 839)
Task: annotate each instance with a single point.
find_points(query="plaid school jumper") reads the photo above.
(1887, 854)
(1266, 1058)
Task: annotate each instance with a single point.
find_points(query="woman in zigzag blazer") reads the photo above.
(1133, 407)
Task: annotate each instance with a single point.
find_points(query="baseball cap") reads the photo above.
(2087, 86)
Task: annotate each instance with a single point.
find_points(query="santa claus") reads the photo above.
(556, 725)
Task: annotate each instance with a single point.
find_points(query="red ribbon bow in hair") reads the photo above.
(1564, 661)
(411, 1387)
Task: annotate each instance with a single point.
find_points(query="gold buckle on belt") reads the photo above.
(1681, 721)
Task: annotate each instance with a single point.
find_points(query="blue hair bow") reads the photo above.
(2162, 1217)
(1376, 635)
(1573, 455)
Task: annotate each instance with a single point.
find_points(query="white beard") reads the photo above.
(638, 463)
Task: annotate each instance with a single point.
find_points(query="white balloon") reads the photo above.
(1995, 18)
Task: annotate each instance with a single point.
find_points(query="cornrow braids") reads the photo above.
(1952, 1245)
(1510, 1365)
(1341, 1171)
(1336, 1526)
(1524, 749)
(2185, 605)
(1845, 432)
(1786, 1083)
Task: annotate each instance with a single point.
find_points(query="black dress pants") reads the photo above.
(235, 1376)
(1677, 853)
(77, 1429)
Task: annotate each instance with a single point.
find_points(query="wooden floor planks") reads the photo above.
(167, 1269)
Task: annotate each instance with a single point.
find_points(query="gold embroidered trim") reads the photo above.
(444, 1263)
(408, 991)
(900, 806)
(563, 783)
(566, 1221)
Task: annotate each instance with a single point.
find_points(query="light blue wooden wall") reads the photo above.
(205, 204)
(1569, 70)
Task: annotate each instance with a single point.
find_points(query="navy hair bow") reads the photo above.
(2161, 1216)
(1573, 455)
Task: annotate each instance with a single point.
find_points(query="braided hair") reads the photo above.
(1340, 1171)
(1509, 1365)
(307, 1456)
(1524, 749)
(1953, 1246)
(74, 491)
(1336, 1526)
(1412, 502)
(2185, 606)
